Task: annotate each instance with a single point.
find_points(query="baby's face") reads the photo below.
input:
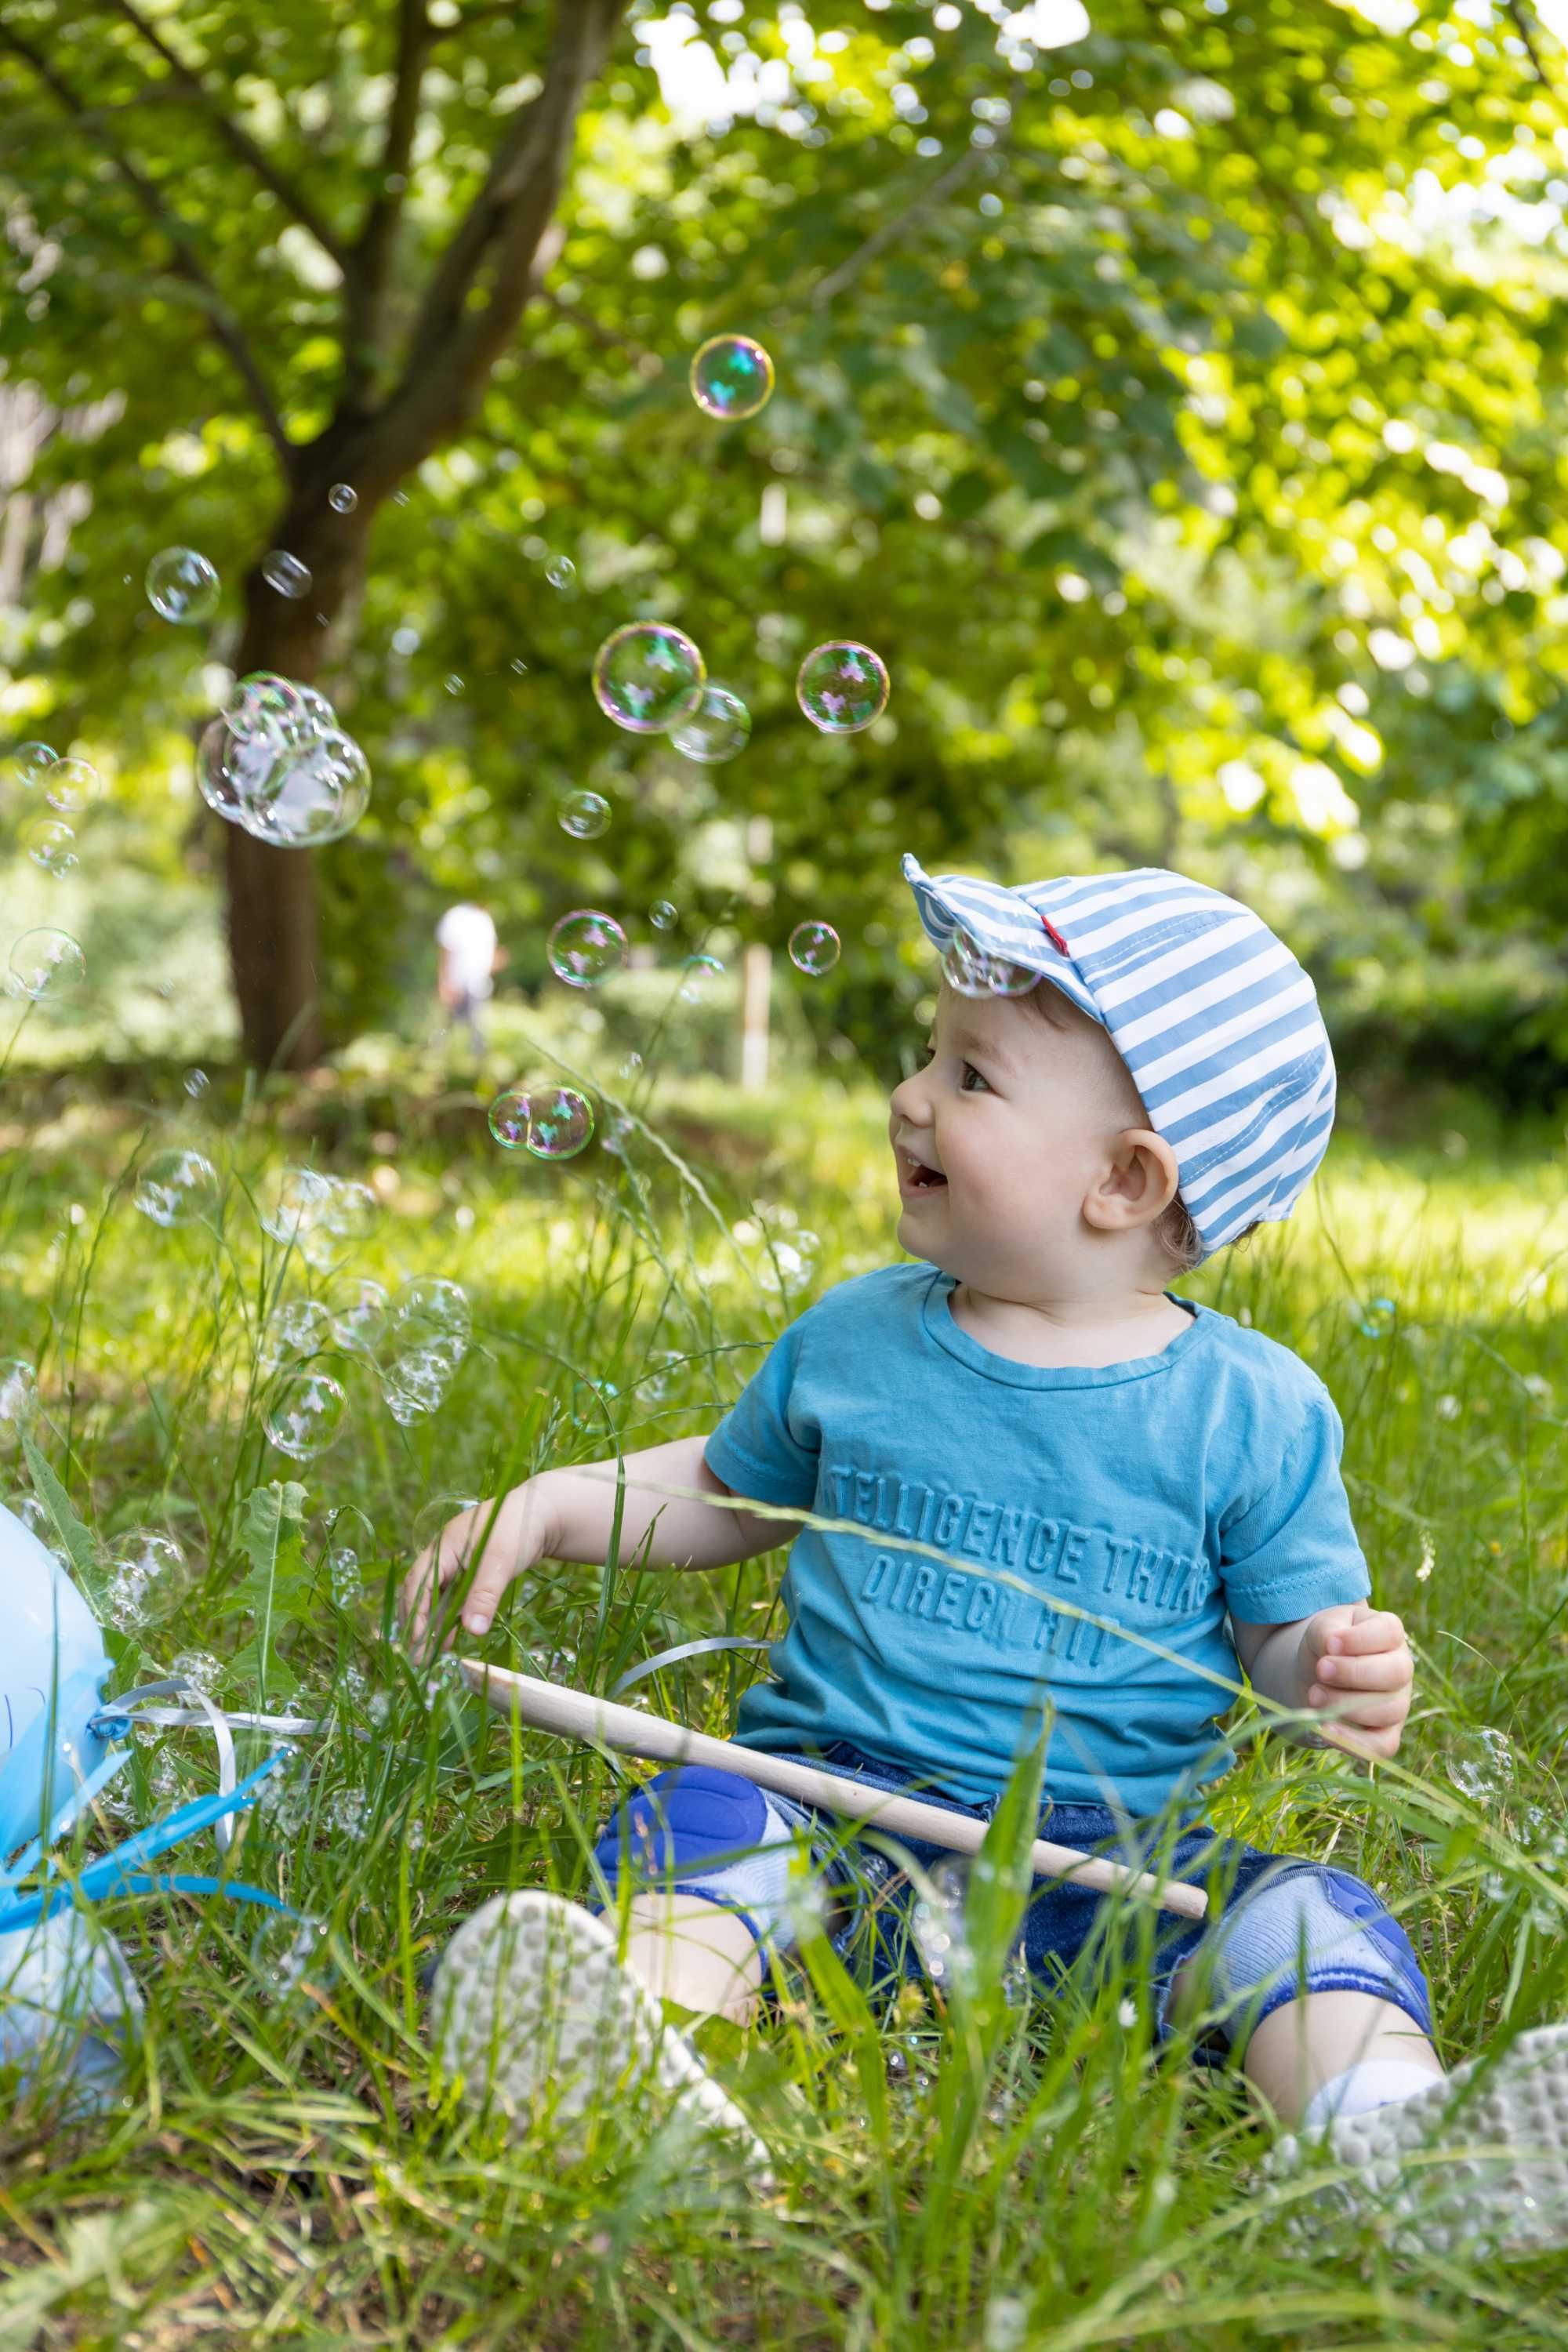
(1018, 1141)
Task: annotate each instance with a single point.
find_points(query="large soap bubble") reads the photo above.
(230, 768)
(182, 586)
(278, 763)
(731, 377)
(842, 687)
(585, 947)
(46, 965)
(177, 1187)
(559, 1123)
(71, 785)
(316, 797)
(584, 815)
(974, 972)
(50, 842)
(647, 675)
(718, 727)
(814, 946)
(311, 1413)
(508, 1117)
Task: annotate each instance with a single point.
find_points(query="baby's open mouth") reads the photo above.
(919, 1177)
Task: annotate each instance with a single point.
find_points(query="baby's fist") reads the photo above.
(1354, 1659)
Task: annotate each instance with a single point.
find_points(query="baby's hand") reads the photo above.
(523, 1533)
(1356, 1658)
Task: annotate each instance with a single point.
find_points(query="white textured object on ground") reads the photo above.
(535, 2012)
(1491, 2176)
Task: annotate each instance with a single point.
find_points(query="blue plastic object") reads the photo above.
(53, 1669)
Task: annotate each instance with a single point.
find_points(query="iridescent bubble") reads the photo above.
(814, 946)
(46, 965)
(974, 972)
(316, 797)
(342, 497)
(196, 1083)
(1481, 1763)
(144, 1565)
(24, 771)
(182, 586)
(508, 1119)
(663, 915)
(177, 1187)
(1378, 1320)
(585, 947)
(698, 973)
(561, 571)
(361, 1324)
(18, 1399)
(647, 675)
(50, 845)
(264, 703)
(71, 785)
(842, 687)
(286, 574)
(310, 1414)
(231, 769)
(718, 727)
(731, 377)
(454, 684)
(584, 815)
(559, 1123)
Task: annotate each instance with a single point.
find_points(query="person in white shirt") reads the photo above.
(469, 957)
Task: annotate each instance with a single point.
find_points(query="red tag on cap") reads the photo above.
(1054, 935)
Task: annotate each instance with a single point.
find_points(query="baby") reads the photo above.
(1126, 1073)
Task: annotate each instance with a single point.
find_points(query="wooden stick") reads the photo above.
(577, 1715)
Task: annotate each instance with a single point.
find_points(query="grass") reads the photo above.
(288, 2166)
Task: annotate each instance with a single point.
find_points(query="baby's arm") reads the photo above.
(568, 1515)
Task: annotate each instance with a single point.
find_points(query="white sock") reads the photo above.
(1376, 2082)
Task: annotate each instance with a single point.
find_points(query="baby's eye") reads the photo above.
(971, 1072)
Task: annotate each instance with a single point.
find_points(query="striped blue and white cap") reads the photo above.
(1210, 1010)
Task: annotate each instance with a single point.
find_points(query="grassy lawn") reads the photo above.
(288, 2167)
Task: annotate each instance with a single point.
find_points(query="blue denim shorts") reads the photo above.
(869, 1899)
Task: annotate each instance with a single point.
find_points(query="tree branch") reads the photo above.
(369, 268)
(1521, 26)
(224, 326)
(456, 338)
(941, 188)
(238, 142)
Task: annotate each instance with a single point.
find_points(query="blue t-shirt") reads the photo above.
(1160, 1494)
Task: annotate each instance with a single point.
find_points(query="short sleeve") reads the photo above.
(1293, 1549)
(446, 930)
(762, 1448)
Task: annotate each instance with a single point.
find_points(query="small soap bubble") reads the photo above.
(584, 815)
(71, 785)
(310, 1414)
(414, 1382)
(814, 946)
(299, 1330)
(18, 1404)
(141, 1564)
(517, 666)
(647, 675)
(453, 683)
(361, 1324)
(51, 845)
(663, 915)
(177, 1187)
(349, 1813)
(264, 703)
(342, 497)
(26, 768)
(200, 1667)
(428, 1310)
(293, 1203)
(697, 974)
(438, 1514)
(718, 727)
(342, 1566)
(842, 687)
(616, 1137)
(285, 1949)
(1479, 1763)
(46, 965)
(731, 377)
(1377, 1321)
(284, 573)
(967, 967)
(182, 586)
(585, 947)
(559, 1123)
(195, 1083)
(231, 769)
(631, 1065)
(509, 1118)
(561, 571)
(938, 1925)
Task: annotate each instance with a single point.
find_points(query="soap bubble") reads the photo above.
(302, 1328)
(200, 1667)
(177, 1187)
(71, 785)
(453, 684)
(294, 1203)
(285, 573)
(51, 845)
(663, 915)
(718, 727)
(561, 571)
(698, 973)
(231, 767)
(342, 497)
(647, 675)
(285, 713)
(584, 815)
(359, 1324)
(938, 1925)
(310, 1414)
(559, 1123)
(731, 377)
(974, 972)
(429, 1310)
(437, 1513)
(182, 586)
(508, 1119)
(350, 1210)
(585, 947)
(842, 687)
(46, 964)
(315, 797)
(616, 1137)
(142, 1562)
(1480, 1764)
(195, 1083)
(1378, 1319)
(414, 1384)
(814, 946)
(426, 1342)
(342, 1567)
(24, 771)
(18, 1399)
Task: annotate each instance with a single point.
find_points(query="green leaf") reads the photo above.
(75, 1537)
(269, 1536)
